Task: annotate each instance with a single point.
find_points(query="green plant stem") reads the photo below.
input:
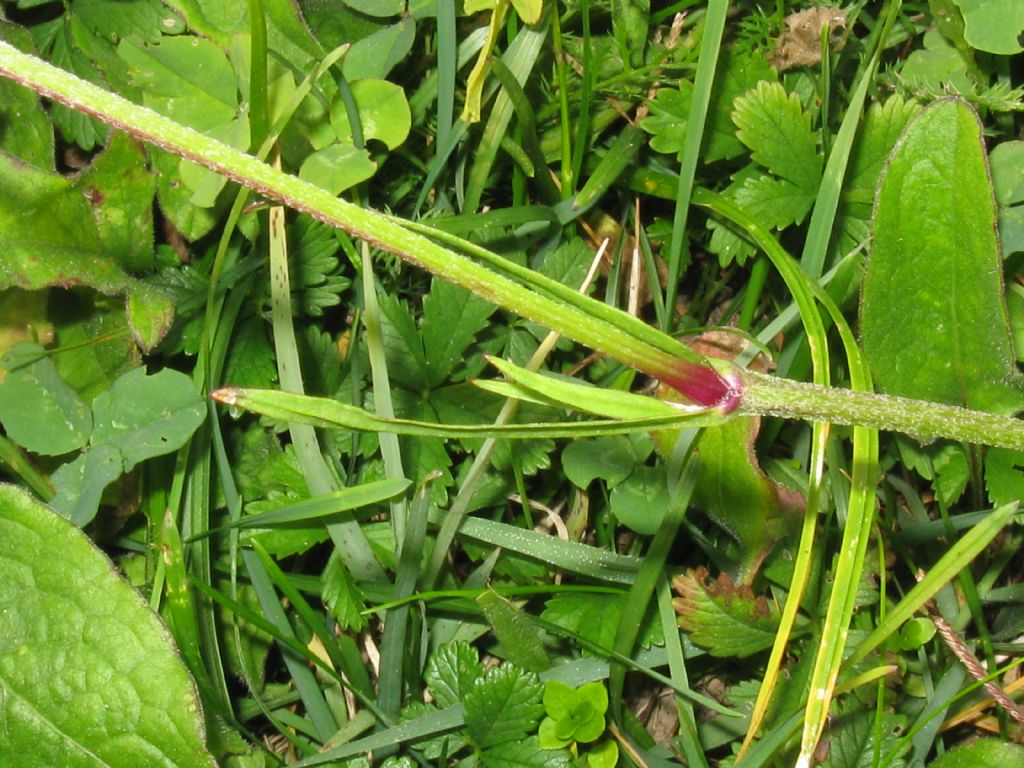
(764, 395)
(771, 396)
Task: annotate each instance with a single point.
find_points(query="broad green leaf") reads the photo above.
(933, 320)
(337, 167)
(521, 641)
(38, 410)
(111, 205)
(937, 65)
(993, 26)
(452, 671)
(80, 483)
(610, 458)
(726, 619)
(25, 128)
(377, 7)
(596, 617)
(857, 736)
(384, 114)
(189, 79)
(640, 501)
(145, 416)
(1007, 163)
(525, 754)
(986, 753)
(138, 418)
(503, 706)
(219, 20)
(375, 55)
(736, 494)
(68, 700)
(144, 20)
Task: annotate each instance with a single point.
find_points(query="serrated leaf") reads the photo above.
(670, 111)
(452, 671)
(775, 203)
(25, 128)
(726, 619)
(774, 125)
(76, 127)
(503, 706)
(1004, 476)
(525, 754)
(67, 699)
(933, 320)
(452, 317)
(342, 596)
(952, 474)
(314, 268)
(569, 262)
(880, 129)
(407, 364)
(250, 360)
(38, 410)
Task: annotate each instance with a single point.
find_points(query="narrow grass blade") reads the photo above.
(652, 566)
(305, 683)
(346, 535)
(582, 559)
(323, 412)
(319, 507)
(714, 26)
(520, 58)
(956, 558)
(395, 656)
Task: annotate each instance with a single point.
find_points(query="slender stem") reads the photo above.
(770, 396)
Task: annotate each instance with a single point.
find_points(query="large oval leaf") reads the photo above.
(933, 320)
(88, 674)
